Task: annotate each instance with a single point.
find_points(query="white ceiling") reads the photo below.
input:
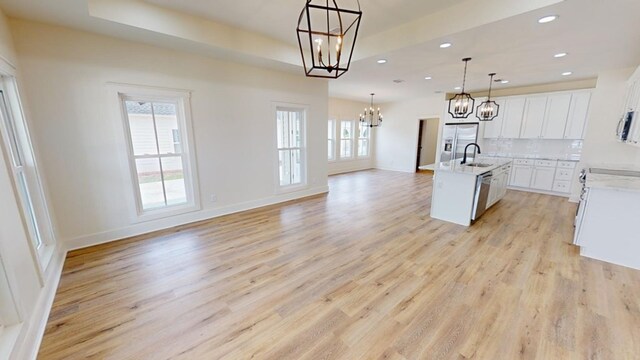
(279, 18)
(597, 34)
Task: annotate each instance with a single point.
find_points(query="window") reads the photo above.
(21, 178)
(290, 137)
(363, 140)
(346, 139)
(159, 159)
(331, 145)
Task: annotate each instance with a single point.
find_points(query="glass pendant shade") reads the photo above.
(488, 110)
(462, 104)
(371, 117)
(326, 37)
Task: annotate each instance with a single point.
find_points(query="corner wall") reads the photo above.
(31, 285)
(397, 139)
(341, 109)
(600, 146)
(80, 135)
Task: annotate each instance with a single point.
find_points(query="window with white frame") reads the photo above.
(331, 137)
(161, 163)
(364, 134)
(346, 139)
(290, 127)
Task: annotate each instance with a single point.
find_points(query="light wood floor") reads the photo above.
(361, 273)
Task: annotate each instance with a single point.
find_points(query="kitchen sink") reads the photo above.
(478, 165)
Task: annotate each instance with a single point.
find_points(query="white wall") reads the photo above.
(600, 147)
(31, 286)
(80, 136)
(397, 139)
(341, 109)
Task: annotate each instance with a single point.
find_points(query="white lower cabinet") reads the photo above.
(521, 176)
(544, 172)
(542, 175)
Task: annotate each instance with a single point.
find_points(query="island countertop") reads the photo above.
(456, 167)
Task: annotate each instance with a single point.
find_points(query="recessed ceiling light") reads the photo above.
(427, 77)
(504, 81)
(457, 88)
(382, 61)
(445, 45)
(547, 19)
(567, 73)
(559, 55)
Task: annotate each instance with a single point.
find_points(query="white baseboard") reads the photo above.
(565, 195)
(394, 169)
(32, 330)
(165, 223)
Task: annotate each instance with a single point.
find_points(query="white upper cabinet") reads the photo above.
(512, 121)
(493, 128)
(556, 116)
(561, 115)
(577, 115)
(534, 115)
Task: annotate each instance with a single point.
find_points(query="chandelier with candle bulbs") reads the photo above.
(371, 117)
(326, 37)
(461, 105)
(488, 110)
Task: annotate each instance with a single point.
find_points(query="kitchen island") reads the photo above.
(608, 210)
(462, 192)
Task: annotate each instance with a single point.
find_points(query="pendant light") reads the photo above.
(488, 110)
(326, 37)
(461, 105)
(369, 117)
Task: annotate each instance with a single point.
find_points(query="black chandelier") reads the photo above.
(326, 37)
(461, 105)
(488, 110)
(369, 117)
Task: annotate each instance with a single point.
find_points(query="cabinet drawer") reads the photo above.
(564, 174)
(546, 163)
(523, 161)
(567, 164)
(561, 186)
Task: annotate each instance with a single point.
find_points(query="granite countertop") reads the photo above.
(617, 182)
(536, 156)
(456, 167)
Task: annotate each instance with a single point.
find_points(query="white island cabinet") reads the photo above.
(460, 191)
(607, 217)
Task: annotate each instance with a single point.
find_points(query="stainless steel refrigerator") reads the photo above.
(455, 136)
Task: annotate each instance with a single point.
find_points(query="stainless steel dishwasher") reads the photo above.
(483, 185)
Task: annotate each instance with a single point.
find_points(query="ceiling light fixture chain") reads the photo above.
(344, 33)
(369, 117)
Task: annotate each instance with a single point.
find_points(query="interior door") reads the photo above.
(421, 127)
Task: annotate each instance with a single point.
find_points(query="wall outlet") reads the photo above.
(213, 198)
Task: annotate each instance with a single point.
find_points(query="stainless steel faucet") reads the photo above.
(464, 159)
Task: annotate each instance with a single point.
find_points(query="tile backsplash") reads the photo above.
(554, 149)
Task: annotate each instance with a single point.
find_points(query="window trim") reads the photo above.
(30, 171)
(368, 138)
(182, 99)
(353, 140)
(279, 106)
(333, 140)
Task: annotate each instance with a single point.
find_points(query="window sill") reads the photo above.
(167, 212)
(291, 188)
